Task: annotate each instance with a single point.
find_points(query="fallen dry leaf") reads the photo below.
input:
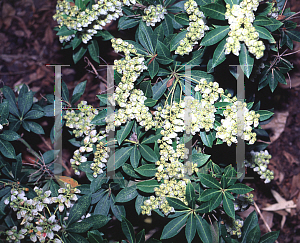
(277, 125)
(290, 157)
(269, 219)
(7, 13)
(281, 203)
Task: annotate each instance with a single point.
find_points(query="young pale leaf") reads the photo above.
(124, 131)
(93, 48)
(246, 60)
(118, 210)
(190, 228)
(79, 209)
(203, 229)
(147, 153)
(214, 36)
(269, 237)
(250, 222)
(147, 186)
(240, 188)
(254, 235)
(214, 10)
(128, 230)
(219, 54)
(177, 204)
(173, 227)
(127, 194)
(228, 207)
(148, 170)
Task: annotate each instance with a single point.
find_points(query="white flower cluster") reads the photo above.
(197, 26)
(234, 226)
(66, 197)
(81, 122)
(88, 21)
(228, 131)
(242, 202)
(130, 100)
(35, 224)
(154, 14)
(259, 162)
(100, 158)
(240, 18)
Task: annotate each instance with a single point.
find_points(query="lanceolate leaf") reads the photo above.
(128, 230)
(79, 209)
(124, 131)
(254, 235)
(264, 114)
(215, 201)
(269, 237)
(177, 204)
(273, 82)
(209, 181)
(214, 36)
(127, 194)
(93, 48)
(293, 34)
(147, 186)
(145, 36)
(148, 170)
(190, 194)
(135, 157)
(190, 228)
(219, 54)
(208, 194)
(147, 153)
(250, 222)
(173, 227)
(228, 207)
(264, 34)
(246, 60)
(240, 188)
(232, 2)
(121, 156)
(203, 229)
(159, 88)
(7, 149)
(214, 10)
(118, 210)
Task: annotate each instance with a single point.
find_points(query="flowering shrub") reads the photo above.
(154, 139)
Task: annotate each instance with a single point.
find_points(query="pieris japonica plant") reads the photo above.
(156, 139)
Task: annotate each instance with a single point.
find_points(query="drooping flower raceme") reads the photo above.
(240, 18)
(154, 14)
(195, 31)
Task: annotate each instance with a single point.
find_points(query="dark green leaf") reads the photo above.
(135, 157)
(182, 18)
(147, 186)
(246, 60)
(151, 139)
(124, 131)
(262, 21)
(207, 138)
(190, 194)
(138, 47)
(145, 36)
(79, 54)
(153, 68)
(203, 229)
(176, 40)
(177, 204)
(214, 36)
(25, 102)
(93, 48)
(129, 170)
(128, 230)
(147, 153)
(119, 158)
(254, 235)
(240, 188)
(275, 24)
(7, 149)
(264, 114)
(97, 182)
(127, 23)
(219, 54)
(147, 170)
(4, 110)
(93, 238)
(103, 205)
(127, 194)
(146, 87)
(199, 158)
(214, 10)
(50, 155)
(63, 31)
(215, 201)
(9, 135)
(139, 201)
(190, 228)
(264, 34)
(173, 227)
(10, 96)
(209, 181)
(118, 210)
(228, 207)
(159, 88)
(35, 127)
(269, 237)
(250, 222)
(163, 53)
(79, 209)
(293, 34)
(140, 237)
(99, 119)
(33, 114)
(208, 194)
(17, 167)
(92, 222)
(76, 42)
(75, 238)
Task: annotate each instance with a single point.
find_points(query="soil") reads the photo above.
(28, 43)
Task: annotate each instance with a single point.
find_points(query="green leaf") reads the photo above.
(240, 188)
(93, 48)
(148, 170)
(246, 61)
(17, 167)
(209, 181)
(75, 238)
(9, 135)
(128, 230)
(264, 34)
(228, 207)
(105, 35)
(151, 139)
(177, 204)
(139, 201)
(182, 18)
(35, 127)
(147, 186)
(127, 23)
(254, 235)
(150, 102)
(250, 222)
(93, 238)
(124, 131)
(50, 155)
(80, 4)
(173, 227)
(145, 36)
(208, 194)
(264, 114)
(219, 54)
(214, 10)
(119, 158)
(273, 82)
(99, 119)
(153, 68)
(203, 229)
(190, 194)
(293, 34)
(264, 9)
(6, 168)
(79, 209)
(97, 182)
(79, 89)
(215, 201)
(159, 88)
(25, 102)
(190, 228)
(176, 40)
(118, 210)
(208, 138)
(163, 53)
(79, 54)
(214, 36)
(147, 153)
(127, 194)
(167, 25)
(34, 114)
(269, 237)
(232, 2)
(10, 96)
(129, 170)
(140, 237)
(275, 24)
(146, 87)
(76, 42)
(4, 110)
(262, 21)
(103, 205)
(199, 158)
(135, 157)
(138, 47)
(92, 222)
(7, 149)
